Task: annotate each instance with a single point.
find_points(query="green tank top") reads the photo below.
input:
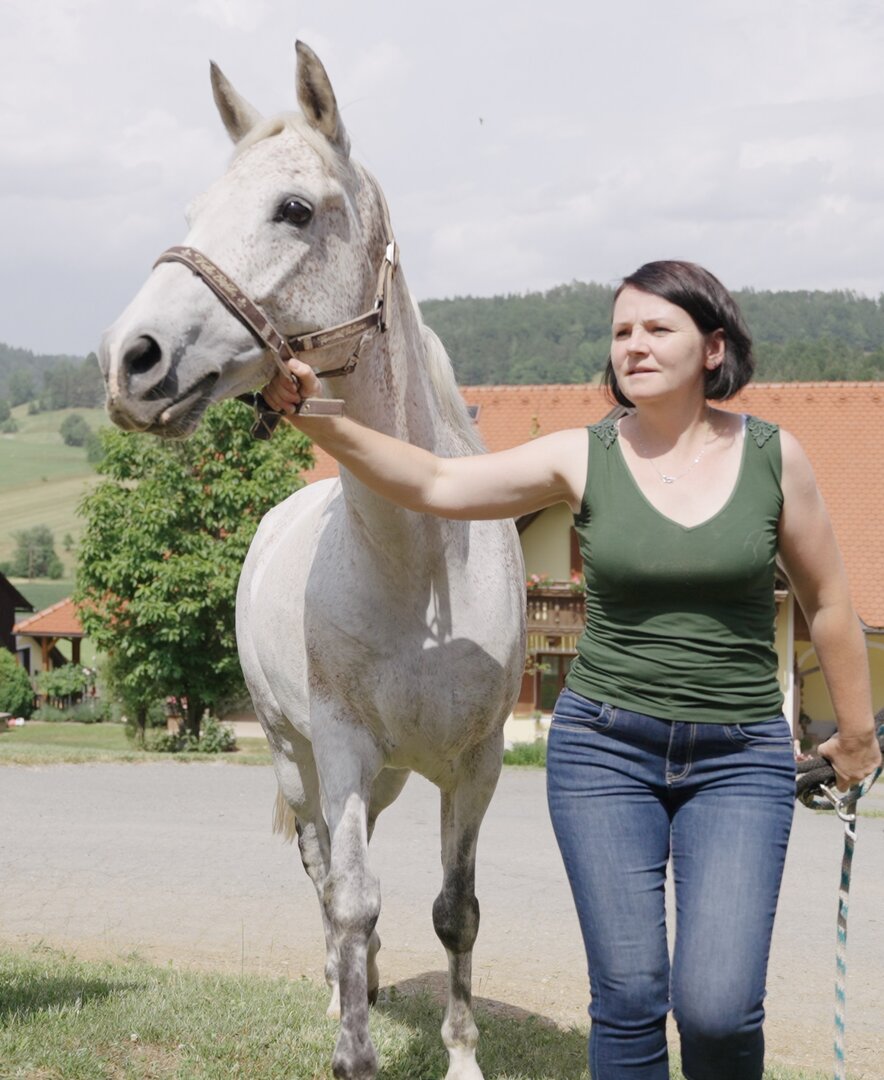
(680, 620)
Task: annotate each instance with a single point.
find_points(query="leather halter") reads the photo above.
(283, 348)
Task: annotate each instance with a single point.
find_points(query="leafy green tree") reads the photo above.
(21, 387)
(74, 430)
(16, 692)
(165, 536)
(35, 554)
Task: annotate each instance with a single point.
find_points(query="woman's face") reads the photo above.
(657, 350)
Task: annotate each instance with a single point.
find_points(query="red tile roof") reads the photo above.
(840, 425)
(60, 620)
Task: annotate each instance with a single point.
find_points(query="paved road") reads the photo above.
(177, 862)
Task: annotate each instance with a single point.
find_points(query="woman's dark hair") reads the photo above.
(711, 306)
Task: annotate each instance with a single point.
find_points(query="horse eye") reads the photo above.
(294, 211)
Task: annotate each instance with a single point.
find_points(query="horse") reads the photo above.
(375, 641)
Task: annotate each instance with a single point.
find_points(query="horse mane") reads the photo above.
(454, 411)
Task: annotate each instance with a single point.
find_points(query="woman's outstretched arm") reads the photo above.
(506, 484)
(813, 562)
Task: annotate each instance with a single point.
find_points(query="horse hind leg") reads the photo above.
(313, 846)
(456, 909)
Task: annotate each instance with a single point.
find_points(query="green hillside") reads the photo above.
(42, 480)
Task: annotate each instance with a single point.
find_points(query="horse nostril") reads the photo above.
(141, 356)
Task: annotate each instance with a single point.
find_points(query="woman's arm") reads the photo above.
(813, 562)
(506, 484)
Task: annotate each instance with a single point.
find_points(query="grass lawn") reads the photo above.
(64, 1018)
(42, 480)
(39, 743)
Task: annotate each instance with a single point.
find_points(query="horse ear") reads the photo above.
(238, 115)
(317, 99)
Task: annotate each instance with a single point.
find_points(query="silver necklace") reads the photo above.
(668, 478)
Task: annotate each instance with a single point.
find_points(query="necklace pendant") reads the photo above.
(668, 479)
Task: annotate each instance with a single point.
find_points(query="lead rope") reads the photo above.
(815, 788)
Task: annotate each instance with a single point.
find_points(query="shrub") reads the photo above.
(74, 430)
(49, 714)
(215, 738)
(63, 683)
(16, 692)
(526, 754)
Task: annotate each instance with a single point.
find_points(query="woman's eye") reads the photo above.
(620, 334)
(294, 211)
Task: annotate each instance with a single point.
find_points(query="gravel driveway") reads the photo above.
(177, 862)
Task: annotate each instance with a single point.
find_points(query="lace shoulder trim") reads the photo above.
(760, 430)
(606, 430)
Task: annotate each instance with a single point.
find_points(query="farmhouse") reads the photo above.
(839, 425)
(37, 637)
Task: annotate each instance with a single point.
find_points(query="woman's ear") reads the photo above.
(716, 347)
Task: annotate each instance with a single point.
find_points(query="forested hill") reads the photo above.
(562, 336)
(57, 382)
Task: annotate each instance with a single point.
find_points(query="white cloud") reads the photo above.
(743, 134)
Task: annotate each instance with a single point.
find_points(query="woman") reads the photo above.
(668, 740)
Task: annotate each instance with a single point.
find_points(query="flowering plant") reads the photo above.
(538, 581)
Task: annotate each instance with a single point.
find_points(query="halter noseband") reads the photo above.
(283, 348)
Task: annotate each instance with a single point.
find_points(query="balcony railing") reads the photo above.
(554, 609)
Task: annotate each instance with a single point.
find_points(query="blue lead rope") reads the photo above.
(815, 788)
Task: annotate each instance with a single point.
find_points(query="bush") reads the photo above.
(526, 754)
(63, 683)
(74, 430)
(49, 714)
(16, 692)
(92, 711)
(8, 426)
(215, 738)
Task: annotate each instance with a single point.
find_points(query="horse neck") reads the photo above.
(394, 390)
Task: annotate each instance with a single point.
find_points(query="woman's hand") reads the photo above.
(853, 757)
(284, 392)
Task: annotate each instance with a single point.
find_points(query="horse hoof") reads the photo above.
(354, 1059)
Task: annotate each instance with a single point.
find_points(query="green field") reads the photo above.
(42, 480)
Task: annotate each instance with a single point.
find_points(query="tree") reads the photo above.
(74, 430)
(16, 693)
(35, 554)
(165, 536)
(21, 387)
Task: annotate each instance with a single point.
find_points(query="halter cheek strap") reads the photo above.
(283, 348)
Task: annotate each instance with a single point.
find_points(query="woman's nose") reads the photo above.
(637, 342)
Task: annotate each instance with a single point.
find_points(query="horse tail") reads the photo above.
(284, 820)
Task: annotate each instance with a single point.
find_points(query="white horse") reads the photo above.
(374, 640)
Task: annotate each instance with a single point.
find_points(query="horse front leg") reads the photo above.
(456, 909)
(348, 760)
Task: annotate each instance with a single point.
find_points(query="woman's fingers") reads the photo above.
(286, 390)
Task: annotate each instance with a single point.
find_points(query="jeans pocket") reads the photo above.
(573, 712)
(773, 734)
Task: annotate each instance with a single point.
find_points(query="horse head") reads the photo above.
(299, 228)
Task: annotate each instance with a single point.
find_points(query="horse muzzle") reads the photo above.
(147, 390)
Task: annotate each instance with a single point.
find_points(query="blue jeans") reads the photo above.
(627, 792)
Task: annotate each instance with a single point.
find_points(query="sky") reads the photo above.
(520, 145)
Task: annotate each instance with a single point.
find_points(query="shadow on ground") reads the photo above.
(513, 1043)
